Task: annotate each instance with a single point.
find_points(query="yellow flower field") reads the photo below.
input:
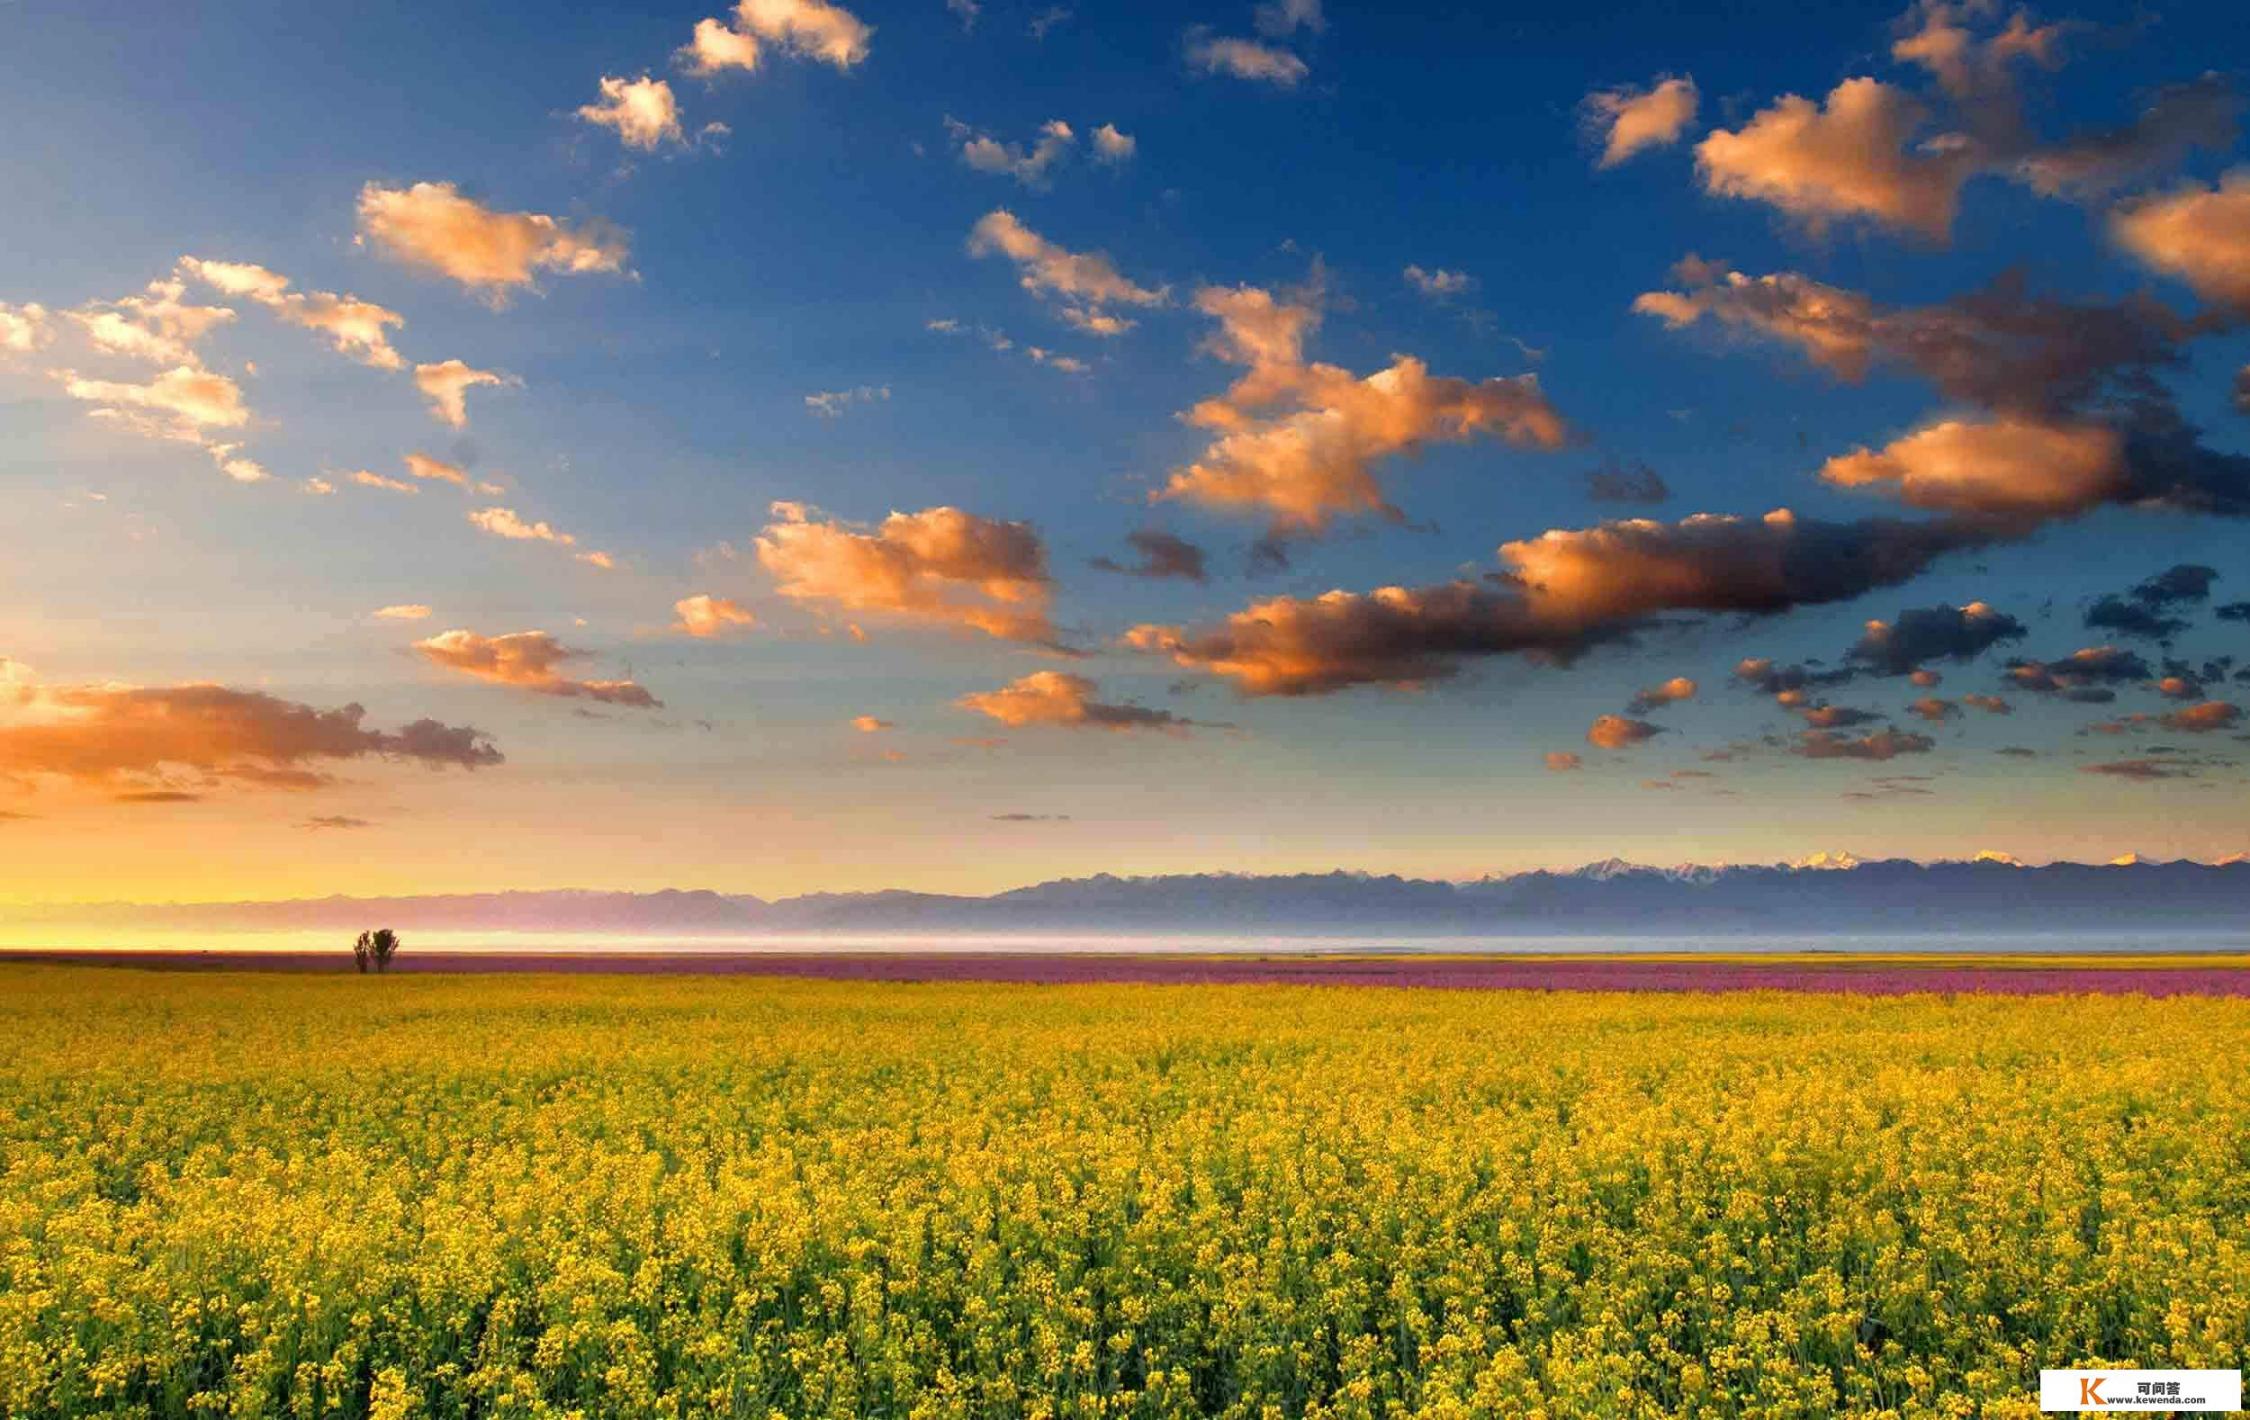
(258, 1195)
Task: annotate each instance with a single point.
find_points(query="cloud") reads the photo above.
(1626, 482)
(1084, 282)
(2143, 610)
(1620, 732)
(446, 386)
(1561, 593)
(357, 329)
(1790, 686)
(1060, 698)
(1299, 441)
(1884, 744)
(1936, 633)
(431, 225)
(2085, 675)
(403, 611)
(1244, 59)
(179, 405)
(1562, 761)
(831, 404)
(159, 326)
(432, 470)
(1161, 555)
(1934, 710)
(24, 328)
(1854, 158)
(1114, 146)
(1628, 121)
(1990, 704)
(2205, 718)
(2200, 235)
(802, 29)
(329, 822)
(368, 478)
(1028, 166)
(2179, 118)
(118, 736)
(715, 48)
(937, 567)
(1653, 697)
(1282, 18)
(706, 616)
(1441, 284)
(2000, 348)
(870, 725)
(504, 523)
(2006, 467)
(1836, 717)
(2143, 769)
(528, 660)
(643, 112)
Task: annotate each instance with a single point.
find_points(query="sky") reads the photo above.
(951, 445)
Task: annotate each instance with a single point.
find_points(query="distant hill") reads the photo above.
(1830, 894)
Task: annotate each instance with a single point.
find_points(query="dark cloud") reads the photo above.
(1628, 481)
(1161, 555)
(2233, 611)
(1936, 633)
(334, 821)
(2085, 675)
(1836, 717)
(1561, 594)
(2144, 610)
(2200, 113)
(1031, 818)
(157, 796)
(2145, 769)
(1879, 745)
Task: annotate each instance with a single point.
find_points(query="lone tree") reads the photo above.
(375, 949)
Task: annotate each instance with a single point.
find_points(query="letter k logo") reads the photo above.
(2090, 1391)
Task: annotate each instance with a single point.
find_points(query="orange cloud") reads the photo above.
(869, 725)
(706, 616)
(505, 523)
(1934, 710)
(355, 328)
(1629, 121)
(1562, 761)
(1245, 59)
(1300, 441)
(1060, 698)
(136, 737)
(642, 111)
(403, 611)
(716, 48)
(1671, 692)
(158, 326)
(1085, 282)
(1619, 732)
(2200, 235)
(178, 405)
(2204, 718)
(446, 386)
(2002, 466)
(528, 660)
(431, 225)
(804, 29)
(368, 478)
(24, 328)
(1854, 158)
(939, 567)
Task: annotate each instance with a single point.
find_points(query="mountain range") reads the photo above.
(1829, 893)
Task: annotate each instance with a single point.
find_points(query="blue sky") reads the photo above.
(657, 411)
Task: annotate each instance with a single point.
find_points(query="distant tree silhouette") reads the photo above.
(375, 949)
